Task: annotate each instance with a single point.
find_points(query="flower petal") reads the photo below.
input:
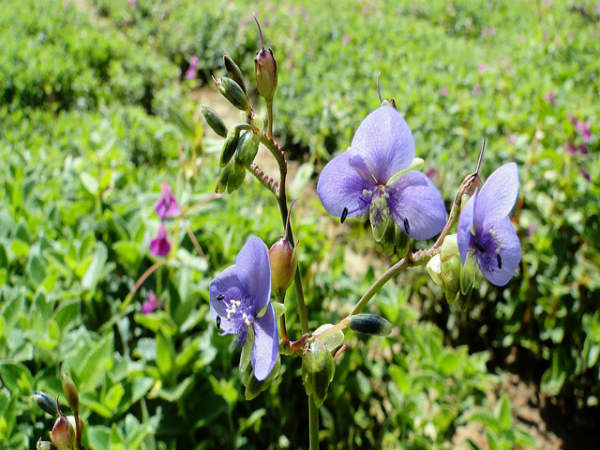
(266, 344)
(227, 284)
(463, 231)
(417, 206)
(254, 271)
(499, 266)
(385, 141)
(498, 195)
(341, 187)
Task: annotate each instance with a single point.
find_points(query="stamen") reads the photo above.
(406, 226)
(220, 297)
(499, 261)
(344, 215)
(218, 321)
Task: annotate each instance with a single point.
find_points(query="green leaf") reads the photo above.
(91, 369)
(164, 354)
(113, 397)
(95, 269)
(128, 252)
(503, 413)
(89, 183)
(19, 248)
(36, 270)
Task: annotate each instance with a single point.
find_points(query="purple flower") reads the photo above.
(550, 97)
(192, 70)
(485, 229)
(481, 67)
(167, 204)
(160, 245)
(374, 176)
(444, 91)
(584, 129)
(476, 90)
(585, 174)
(346, 39)
(151, 304)
(238, 295)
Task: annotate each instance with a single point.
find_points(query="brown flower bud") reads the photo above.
(70, 391)
(265, 69)
(283, 259)
(62, 434)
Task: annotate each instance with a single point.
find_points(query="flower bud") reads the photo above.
(229, 146)
(234, 71)
(284, 259)
(214, 120)
(45, 402)
(318, 369)
(70, 391)
(62, 434)
(236, 177)
(43, 445)
(265, 68)
(222, 179)
(233, 92)
(369, 324)
(247, 149)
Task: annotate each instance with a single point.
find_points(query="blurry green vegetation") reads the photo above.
(86, 140)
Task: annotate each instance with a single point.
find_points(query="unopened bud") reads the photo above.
(62, 434)
(284, 259)
(233, 92)
(234, 71)
(43, 445)
(229, 146)
(247, 149)
(222, 179)
(214, 121)
(236, 177)
(318, 369)
(265, 68)
(70, 391)
(369, 324)
(45, 402)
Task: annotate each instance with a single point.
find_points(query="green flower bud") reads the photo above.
(70, 391)
(247, 149)
(214, 121)
(62, 434)
(236, 177)
(45, 402)
(43, 445)
(233, 92)
(229, 146)
(234, 71)
(265, 69)
(284, 259)
(369, 324)
(223, 178)
(318, 369)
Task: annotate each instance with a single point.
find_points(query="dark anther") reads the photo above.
(499, 261)
(344, 215)
(406, 226)
(220, 297)
(479, 247)
(218, 321)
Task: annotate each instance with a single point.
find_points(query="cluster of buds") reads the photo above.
(241, 142)
(66, 431)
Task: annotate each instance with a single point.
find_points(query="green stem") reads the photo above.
(270, 118)
(313, 425)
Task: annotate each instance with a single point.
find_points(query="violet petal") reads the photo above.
(498, 195)
(266, 344)
(254, 271)
(463, 231)
(500, 263)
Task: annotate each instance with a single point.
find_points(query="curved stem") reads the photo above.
(140, 281)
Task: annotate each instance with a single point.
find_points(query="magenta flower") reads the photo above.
(444, 91)
(550, 97)
(476, 90)
(238, 295)
(151, 304)
(345, 39)
(585, 174)
(481, 67)
(584, 129)
(485, 229)
(192, 70)
(374, 176)
(166, 206)
(160, 245)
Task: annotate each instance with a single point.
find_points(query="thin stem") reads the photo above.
(270, 119)
(379, 88)
(140, 281)
(195, 242)
(313, 425)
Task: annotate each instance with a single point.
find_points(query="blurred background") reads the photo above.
(100, 103)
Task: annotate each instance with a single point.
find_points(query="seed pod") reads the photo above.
(229, 146)
(370, 324)
(214, 121)
(247, 149)
(283, 259)
(234, 71)
(43, 445)
(45, 402)
(233, 92)
(70, 391)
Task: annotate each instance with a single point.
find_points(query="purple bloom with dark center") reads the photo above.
(160, 245)
(151, 304)
(166, 206)
(240, 299)
(374, 176)
(485, 229)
